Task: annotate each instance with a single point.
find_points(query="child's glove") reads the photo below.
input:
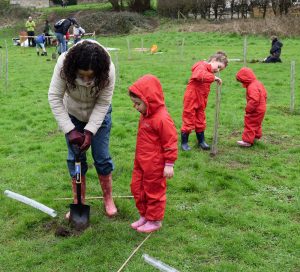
(87, 141)
(75, 137)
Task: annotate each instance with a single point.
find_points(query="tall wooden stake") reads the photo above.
(142, 45)
(117, 66)
(214, 146)
(245, 51)
(0, 64)
(128, 47)
(292, 106)
(182, 48)
(6, 66)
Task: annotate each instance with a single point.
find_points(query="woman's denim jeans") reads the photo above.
(61, 42)
(100, 148)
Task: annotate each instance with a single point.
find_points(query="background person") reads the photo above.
(255, 110)
(156, 152)
(275, 51)
(78, 32)
(30, 27)
(61, 28)
(47, 31)
(195, 98)
(80, 96)
(40, 44)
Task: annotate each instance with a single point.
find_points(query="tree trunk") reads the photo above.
(140, 5)
(115, 4)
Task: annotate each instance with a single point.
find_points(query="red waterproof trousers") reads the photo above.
(253, 126)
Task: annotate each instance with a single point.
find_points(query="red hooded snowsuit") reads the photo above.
(195, 98)
(256, 104)
(156, 146)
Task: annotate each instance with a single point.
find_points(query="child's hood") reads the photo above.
(149, 90)
(245, 75)
(202, 64)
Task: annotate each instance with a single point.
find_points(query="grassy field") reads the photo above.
(238, 211)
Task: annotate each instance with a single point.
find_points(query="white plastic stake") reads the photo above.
(158, 264)
(31, 203)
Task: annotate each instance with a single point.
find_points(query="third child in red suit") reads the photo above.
(156, 152)
(256, 97)
(195, 98)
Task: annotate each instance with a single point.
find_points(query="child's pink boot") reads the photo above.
(139, 223)
(150, 226)
(243, 144)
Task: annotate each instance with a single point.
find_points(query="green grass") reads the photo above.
(238, 211)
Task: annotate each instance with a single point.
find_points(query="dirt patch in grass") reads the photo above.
(61, 229)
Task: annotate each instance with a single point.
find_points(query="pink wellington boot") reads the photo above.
(243, 144)
(150, 226)
(74, 190)
(142, 221)
(106, 185)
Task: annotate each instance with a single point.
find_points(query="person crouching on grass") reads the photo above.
(195, 98)
(255, 110)
(156, 152)
(40, 44)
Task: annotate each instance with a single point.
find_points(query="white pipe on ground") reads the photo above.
(31, 203)
(158, 264)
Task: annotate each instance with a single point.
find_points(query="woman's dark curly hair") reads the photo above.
(87, 56)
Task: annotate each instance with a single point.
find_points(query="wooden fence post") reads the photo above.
(117, 67)
(214, 146)
(245, 51)
(142, 45)
(182, 48)
(128, 47)
(6, 66)
(292, 105)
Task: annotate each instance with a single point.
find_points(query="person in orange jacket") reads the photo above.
(156, 152)
(195, 98)
(255, 110)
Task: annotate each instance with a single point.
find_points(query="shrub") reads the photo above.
(111, 23)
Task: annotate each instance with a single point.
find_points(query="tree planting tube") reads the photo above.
(158, 264)
(31, 203)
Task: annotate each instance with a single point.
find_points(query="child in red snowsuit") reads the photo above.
(256, 106)
(156, 152)
(195, 98)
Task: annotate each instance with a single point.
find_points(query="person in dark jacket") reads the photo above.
(275, 51)
(46, 31)
(61, 28)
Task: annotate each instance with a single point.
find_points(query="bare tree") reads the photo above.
(116, 4)
(139, 5)
(200, 7)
